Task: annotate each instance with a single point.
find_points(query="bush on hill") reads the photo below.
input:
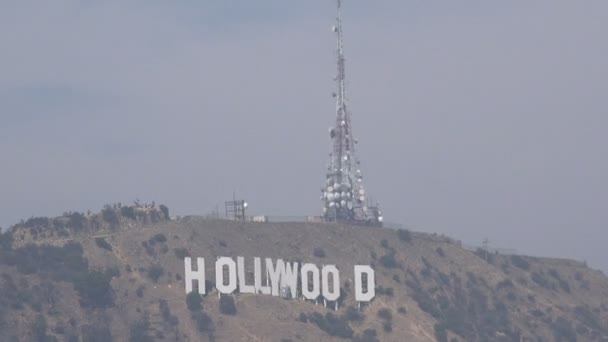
(485, 255)
(6, 240)
(165, 211)
(112, 272)
(319, 252)
(203, 322)
(155, 272)
(331, 324)
(563, 330)
(562, 283)
(67, 264)
(519, 261)
(385, 314)
(389, 261)
(541, 280)
(227, 306)
(109, 215)
(95, 290)
(93, 333)
(37, 222)
(505, 284)
(76, 221)
(140, 291)
(590, 318)
(404, 235)
(353, 315)
(128, 212)
(160, 238)
(440, 252)
(193, 301)
(165, 311)
(138, 332)
(369, 335)
(39, 329)
(59, 263)
(441, 333)
(103, 244)
(424, 300)
(181, 253)
(385, 291)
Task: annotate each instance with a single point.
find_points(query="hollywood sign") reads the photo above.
(283, 279)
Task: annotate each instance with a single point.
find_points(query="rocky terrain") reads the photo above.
(118, 275)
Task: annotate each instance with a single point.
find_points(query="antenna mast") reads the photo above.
(343, 195)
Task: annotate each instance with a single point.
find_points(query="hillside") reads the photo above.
(119, 275)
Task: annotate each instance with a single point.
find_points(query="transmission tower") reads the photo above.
(344, 197)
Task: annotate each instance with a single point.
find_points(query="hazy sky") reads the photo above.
(476, 119)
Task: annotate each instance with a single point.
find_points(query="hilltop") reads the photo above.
(118, 275)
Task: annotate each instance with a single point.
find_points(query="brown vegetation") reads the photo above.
(60, 280)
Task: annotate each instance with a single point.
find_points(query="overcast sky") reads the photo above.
(476, 119)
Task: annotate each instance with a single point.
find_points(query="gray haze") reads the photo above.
(476, 119)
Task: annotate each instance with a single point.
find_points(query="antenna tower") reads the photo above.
(344, 197)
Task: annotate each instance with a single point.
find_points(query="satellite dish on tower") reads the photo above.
(345, 200)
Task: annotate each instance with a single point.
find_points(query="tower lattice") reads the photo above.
(343, 196)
